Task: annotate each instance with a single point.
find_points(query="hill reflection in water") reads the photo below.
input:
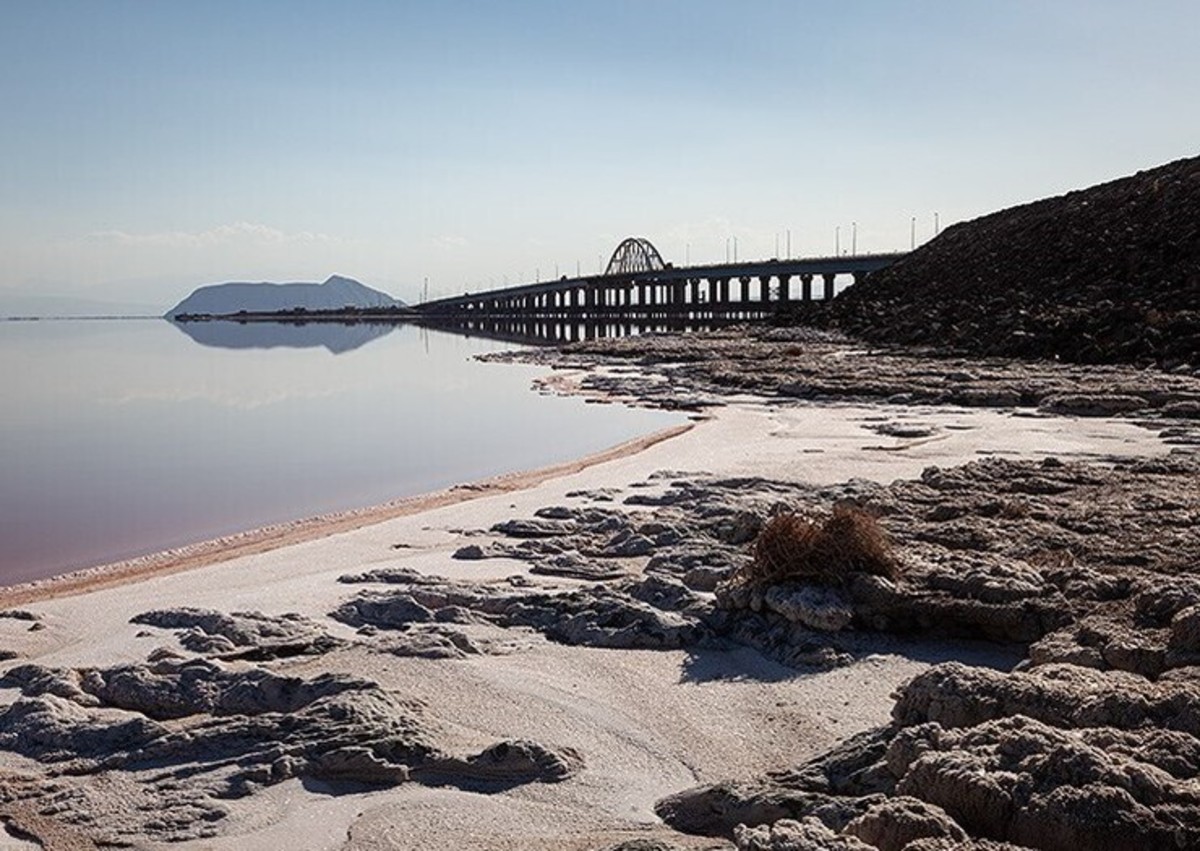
(337, 337)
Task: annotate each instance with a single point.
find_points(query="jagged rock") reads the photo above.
(392, 611)
(741, 528)
(892, 824)
(356, 764)
(628, 544)
(1093, 404)
(645, 845)
(823, 609)
(808, 834)
(597, 616)
(573, 566)
(264, 636)
(836, 788)
(178, 688)
(184, 734)
(533, 528)
(1022, 781)
(505, 764)
(706, 578)
(956, 695)
(390, 576)
(433, 642)
(471, 552)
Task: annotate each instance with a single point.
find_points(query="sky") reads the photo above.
(148, 148)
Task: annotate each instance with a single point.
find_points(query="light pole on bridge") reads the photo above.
(837, 241)
(854, 239)
(912, 234)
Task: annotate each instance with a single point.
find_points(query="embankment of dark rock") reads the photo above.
(1109, 274)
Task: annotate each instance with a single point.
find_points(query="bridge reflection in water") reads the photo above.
(551, 332)
(638, 285)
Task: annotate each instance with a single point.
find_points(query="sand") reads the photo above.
(647, 723)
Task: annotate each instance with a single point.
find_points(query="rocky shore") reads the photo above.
(1090, 568)
(439, 664)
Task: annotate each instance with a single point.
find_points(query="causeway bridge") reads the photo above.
(637, 284)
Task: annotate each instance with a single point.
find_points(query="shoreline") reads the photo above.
(275, 536)
(575, 623)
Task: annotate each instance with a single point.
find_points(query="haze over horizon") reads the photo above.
(154, 148)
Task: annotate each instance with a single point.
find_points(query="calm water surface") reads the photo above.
(119, 438)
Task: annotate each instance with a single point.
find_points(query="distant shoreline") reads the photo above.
(97, 318)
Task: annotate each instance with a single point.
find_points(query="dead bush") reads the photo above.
(823, 550)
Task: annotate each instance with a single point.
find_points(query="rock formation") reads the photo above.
(1109, 274)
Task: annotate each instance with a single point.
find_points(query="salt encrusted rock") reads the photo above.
(264, 636)
(503, 765)
(956, 695)
(645, 845)
(1186, 410)
(390, 611)
(471, 552)
(390, 576)
(574, 566)
(807, 834)
(1031, 784)
(705, 578)
(356, 764)
(892, 824)
(836, 788)
(532, 528)
(628, 544)
(1093, 404)
(597, 616)
(819, 608)
(175, 737)
(1065, 645)
(742, 528)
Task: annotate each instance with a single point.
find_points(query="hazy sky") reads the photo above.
(149, 147)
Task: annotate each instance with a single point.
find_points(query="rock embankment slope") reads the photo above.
(1108, 274)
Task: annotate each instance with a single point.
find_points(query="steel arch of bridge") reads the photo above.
(635, 255)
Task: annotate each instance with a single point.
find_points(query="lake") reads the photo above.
(125, 437)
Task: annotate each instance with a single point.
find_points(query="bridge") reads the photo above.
(637, 284)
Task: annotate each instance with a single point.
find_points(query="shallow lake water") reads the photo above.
(120, 438)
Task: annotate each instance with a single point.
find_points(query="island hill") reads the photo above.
(337, 298)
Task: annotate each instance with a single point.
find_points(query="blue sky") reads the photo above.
(150, 147)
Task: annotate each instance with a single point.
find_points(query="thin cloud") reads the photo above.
(239, 233)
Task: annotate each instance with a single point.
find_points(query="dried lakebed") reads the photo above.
(1084, 568)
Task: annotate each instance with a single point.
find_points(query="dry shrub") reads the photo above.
(825, 551)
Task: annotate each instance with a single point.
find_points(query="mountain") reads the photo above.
(335, 293)
(1100, 275)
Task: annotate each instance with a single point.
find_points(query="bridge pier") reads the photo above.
(828, 279)
(785, 284)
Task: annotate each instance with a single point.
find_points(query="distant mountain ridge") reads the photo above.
(334, 293)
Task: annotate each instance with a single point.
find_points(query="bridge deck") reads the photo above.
(667, 290)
